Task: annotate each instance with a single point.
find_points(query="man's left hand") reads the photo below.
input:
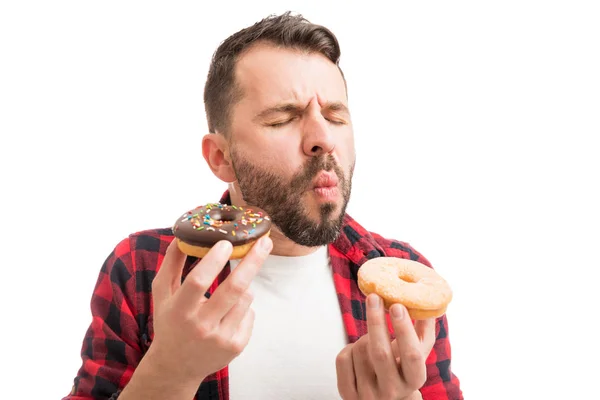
(374, 367)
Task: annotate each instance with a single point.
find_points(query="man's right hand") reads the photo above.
(195, 336)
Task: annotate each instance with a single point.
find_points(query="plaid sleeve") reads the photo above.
(441, 382)
(111, 349)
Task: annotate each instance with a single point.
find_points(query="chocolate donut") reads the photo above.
(199, 229)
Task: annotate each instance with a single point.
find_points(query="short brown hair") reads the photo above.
(221, 91)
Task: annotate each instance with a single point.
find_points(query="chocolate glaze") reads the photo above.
(206, 225)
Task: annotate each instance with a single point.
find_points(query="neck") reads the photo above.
(282, 246)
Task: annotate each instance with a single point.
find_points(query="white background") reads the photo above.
(476, 126)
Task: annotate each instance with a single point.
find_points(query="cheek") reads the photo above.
(277, 162)
(268, 154)
(284, 157)
(346, 153)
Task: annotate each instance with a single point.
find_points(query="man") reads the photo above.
(288, 321)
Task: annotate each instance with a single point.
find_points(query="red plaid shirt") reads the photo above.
(122, 324)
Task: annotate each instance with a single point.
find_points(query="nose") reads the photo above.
(318, 139)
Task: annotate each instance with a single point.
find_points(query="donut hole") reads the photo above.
(224, 216)
(408, 278)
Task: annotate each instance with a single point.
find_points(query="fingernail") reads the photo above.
(265, 244)
(373, 301)
(223, 245)
(397, 311)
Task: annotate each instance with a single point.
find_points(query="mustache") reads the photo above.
(313, 166)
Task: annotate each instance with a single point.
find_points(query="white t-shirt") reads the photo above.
(298, 332)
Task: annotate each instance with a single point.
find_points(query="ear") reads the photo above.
(215, 150)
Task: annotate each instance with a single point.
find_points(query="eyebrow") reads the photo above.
(292, 108)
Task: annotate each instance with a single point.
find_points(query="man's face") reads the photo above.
(292, 144)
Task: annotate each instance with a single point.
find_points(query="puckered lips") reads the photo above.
(325, 186)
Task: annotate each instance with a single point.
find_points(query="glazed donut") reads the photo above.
(423, 292)
(199, 229)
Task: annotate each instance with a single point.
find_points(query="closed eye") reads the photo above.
(279, 124)
(282, 123)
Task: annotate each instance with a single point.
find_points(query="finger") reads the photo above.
(366, 379)
(412, 361)
(232, 320)
(380, 349)
(346, 380)
(242, 335)
(198, 281)
(426, 332)
(229, 292)
(168, 277)
(395, 350)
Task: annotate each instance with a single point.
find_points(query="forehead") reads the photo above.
(269, 75)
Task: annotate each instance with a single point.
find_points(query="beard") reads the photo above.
(282, 199)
